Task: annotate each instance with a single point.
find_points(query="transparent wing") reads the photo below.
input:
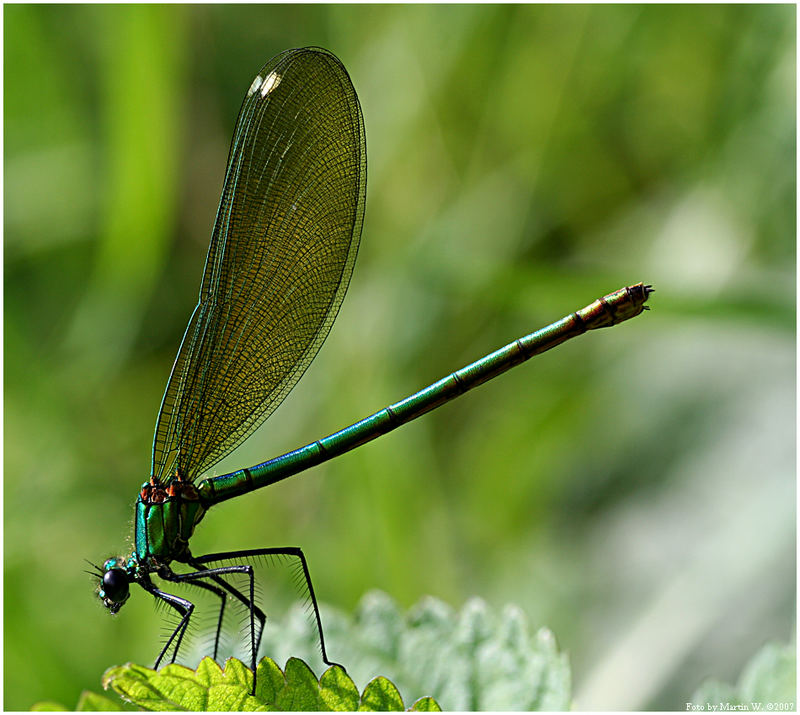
(281, 256)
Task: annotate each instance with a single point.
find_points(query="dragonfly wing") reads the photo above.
(280, 260)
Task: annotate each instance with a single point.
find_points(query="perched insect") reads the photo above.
(280, 260)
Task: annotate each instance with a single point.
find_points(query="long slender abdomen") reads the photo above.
(609, 310)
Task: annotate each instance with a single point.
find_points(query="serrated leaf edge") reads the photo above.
(297, 674)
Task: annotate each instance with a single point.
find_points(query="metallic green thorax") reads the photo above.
(610, 310)
(165, 520)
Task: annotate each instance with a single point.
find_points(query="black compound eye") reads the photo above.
(115, 585)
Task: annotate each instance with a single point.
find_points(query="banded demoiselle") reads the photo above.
(282, 252)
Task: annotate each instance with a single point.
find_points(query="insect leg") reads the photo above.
(222, 597)
(184, 608)
(194, 578)
(294, 551)
(238, 595)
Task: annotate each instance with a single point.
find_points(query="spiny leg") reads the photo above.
(295, 551)
(184, 608)
(195, 576)
(239, 596)
(222, 597)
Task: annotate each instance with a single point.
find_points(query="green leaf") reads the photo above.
(771, 676)
(426, 705)
(473, 659)
(381, 695)
(767, 681)
(301, 691)
(93, 702)
(338, 691)
(178, 688)
(270, 680)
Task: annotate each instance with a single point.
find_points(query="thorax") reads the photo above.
(166, 515)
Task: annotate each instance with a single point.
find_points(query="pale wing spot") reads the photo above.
(273, 80)
(253, 87)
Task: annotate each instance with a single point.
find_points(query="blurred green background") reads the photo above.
(633, 490)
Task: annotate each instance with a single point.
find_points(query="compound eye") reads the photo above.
(115, 585)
